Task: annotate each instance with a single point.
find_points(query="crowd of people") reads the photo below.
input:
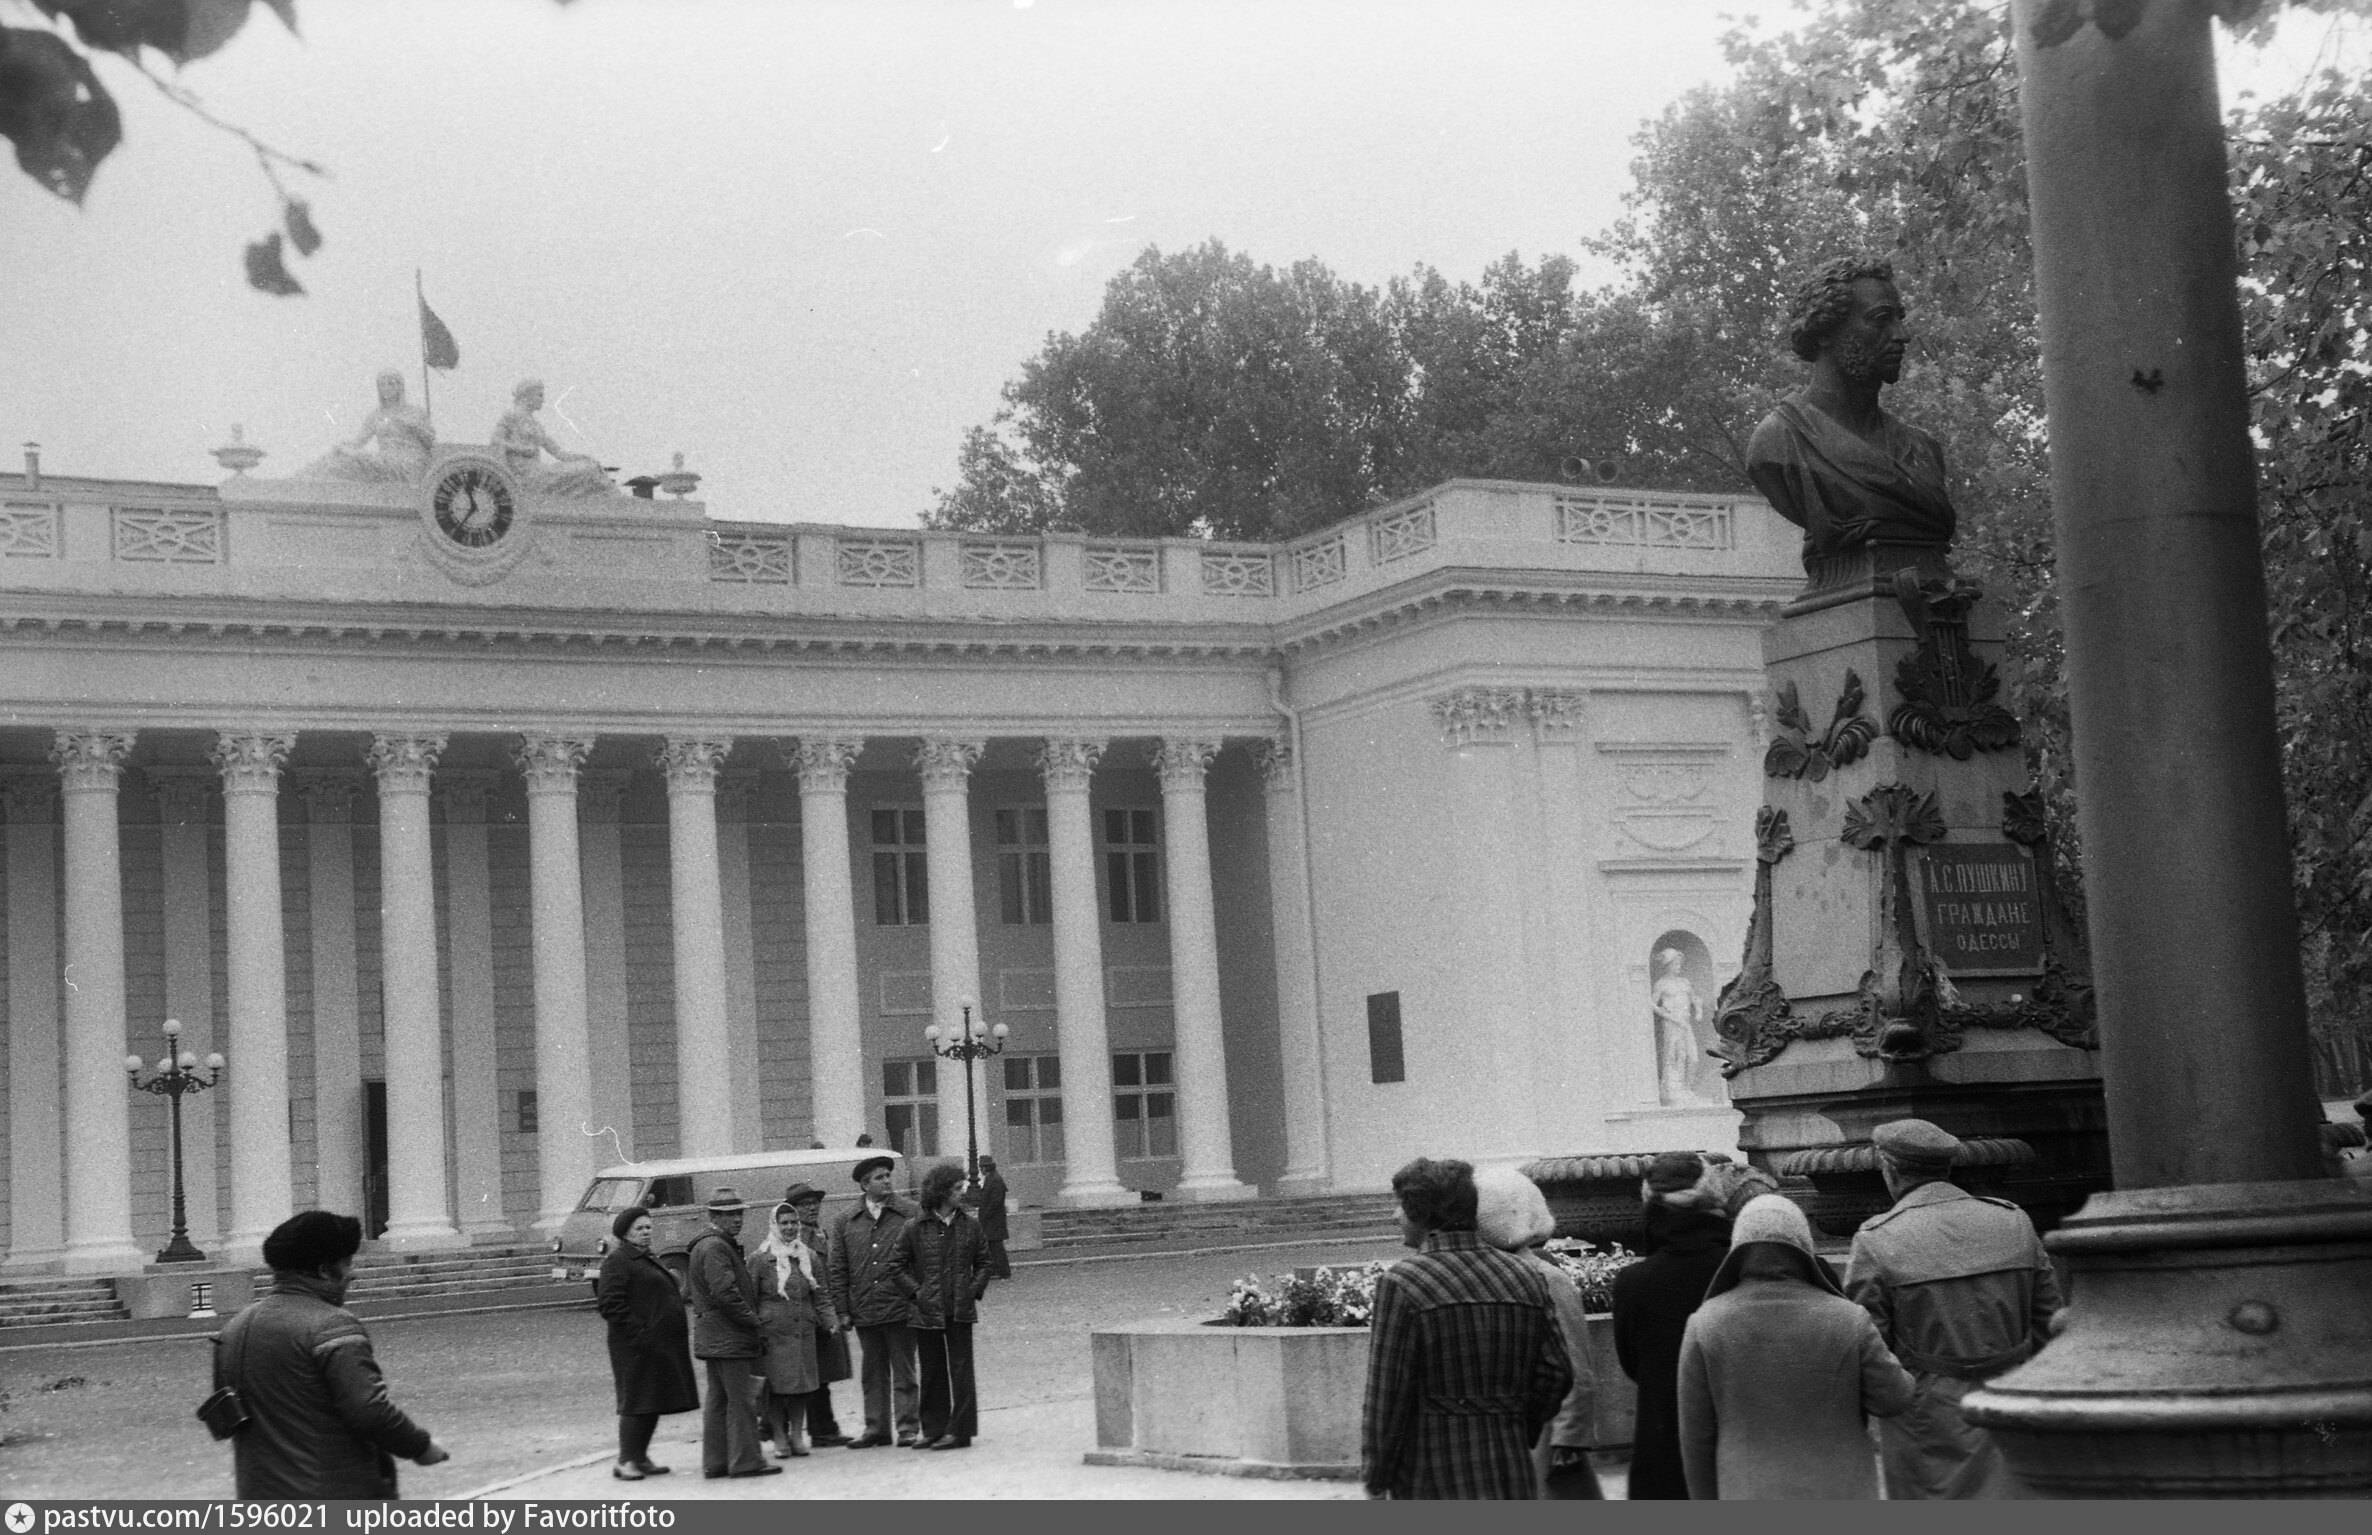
(1758, 1369)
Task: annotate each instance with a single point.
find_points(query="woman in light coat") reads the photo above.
(1511, 1214)
(793, 1304)
(1778, 1371)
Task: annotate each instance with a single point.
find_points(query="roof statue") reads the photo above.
(522, 441)
(393, 446)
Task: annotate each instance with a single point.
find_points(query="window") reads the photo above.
(1033, 1108)
(910, 1106)
(610, 1195)
(1384, 1060)
(527, 1114)
(1129, 866)
(1025, 883)
(1144, 1106)
(901, 888)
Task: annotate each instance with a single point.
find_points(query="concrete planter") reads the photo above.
(1266, 1401)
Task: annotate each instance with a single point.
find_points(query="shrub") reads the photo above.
(1328, 1297)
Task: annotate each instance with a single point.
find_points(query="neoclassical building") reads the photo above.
(495, 836)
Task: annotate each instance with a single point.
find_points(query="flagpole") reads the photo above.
(420, 300)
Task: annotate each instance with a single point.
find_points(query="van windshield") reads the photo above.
(611, 1195)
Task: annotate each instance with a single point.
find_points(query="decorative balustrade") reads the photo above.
(29, 532)
(168, 538)
(1003, 565)
(1238, 573)
(878, 562)
(1124, 567)
(1584, 518)
(1397, 535)
(753, 557)
(1321, 563)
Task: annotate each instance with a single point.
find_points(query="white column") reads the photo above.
(340, 1136)
(1306, 1160)
(417, 1213)
(262, 1175)
(1205, 1136)
(98, 1109)
(36, 1121)
(946, 768)
(703, 1048)
(1091, 1171)
(835, 1031)
(609, 1045)
(182, 855)
(566, 1154)
(469, 967)
(734, 790)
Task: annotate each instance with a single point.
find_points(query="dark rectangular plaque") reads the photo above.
(1982, 913)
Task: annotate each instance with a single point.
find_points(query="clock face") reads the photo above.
(473, 506)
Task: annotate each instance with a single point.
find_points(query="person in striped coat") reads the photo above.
(1465, 1365)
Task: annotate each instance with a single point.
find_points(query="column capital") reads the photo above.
(691, 763)
(461, 792)
(549, 763)
(328, 794)
(735, 788)
(946, 762)
(1472, 716)
(28, 795)
(823, 763)
(90, 761)
(1558, 714)
(1274, 757)
(598, 793)
(1068, 762)
(180, 794)
(1181, 761)
(404, 762)
(250, 761)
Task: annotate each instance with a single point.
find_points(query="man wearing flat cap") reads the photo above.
(727, 1339)
(864, 1240)
(831, 1334)
(1962, 1292)
(319, 1423)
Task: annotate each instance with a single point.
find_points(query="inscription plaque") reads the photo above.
(1983, 914)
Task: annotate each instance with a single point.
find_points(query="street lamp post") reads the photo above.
(974, 1041)
(175, 1078)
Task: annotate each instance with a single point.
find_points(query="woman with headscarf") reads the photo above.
(1688, 1234)
(650, 1341)
(792, 1305)
(1511, 1214)
(1778, 1371)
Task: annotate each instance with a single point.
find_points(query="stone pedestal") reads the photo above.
(1907, 954)
(176, 1290)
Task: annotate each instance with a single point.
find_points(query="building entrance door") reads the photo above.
(374, 1177)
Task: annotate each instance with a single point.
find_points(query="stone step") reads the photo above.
(37, 1313)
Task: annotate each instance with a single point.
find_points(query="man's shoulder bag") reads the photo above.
(222, 1412)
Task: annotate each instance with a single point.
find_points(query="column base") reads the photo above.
(113, 1258)
(2217, 1346)
(1212, 1189)
(1095, 1196)
(240, 1252)
(43, 1260)
(422, 1237)
(1304, 1185)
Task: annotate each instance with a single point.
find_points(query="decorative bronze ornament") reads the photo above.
(1794, 754)
(1751, 1014)
(1948, 693)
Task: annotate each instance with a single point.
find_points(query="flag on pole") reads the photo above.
(437, 348)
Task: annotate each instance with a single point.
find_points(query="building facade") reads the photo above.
(494, 839)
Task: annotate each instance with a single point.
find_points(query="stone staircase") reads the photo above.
(470, 1271)
(51, 1302)
(1168, 1225)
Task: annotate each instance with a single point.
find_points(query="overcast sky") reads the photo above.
(802, 243)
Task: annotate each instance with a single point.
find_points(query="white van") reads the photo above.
(676, 1192)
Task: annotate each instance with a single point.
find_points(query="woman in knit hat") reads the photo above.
(650, 1342)
(1512, 1215)
(1688, 1234)
(1778, 1369)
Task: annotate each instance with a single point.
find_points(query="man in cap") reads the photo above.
(319, 1424)
(831, 1333)
(1962, 1292)
(727, 1339)
(863, 1242)
(990, 1197)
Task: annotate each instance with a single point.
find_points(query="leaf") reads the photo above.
(298, 216)
(53, 107)
(266, 273)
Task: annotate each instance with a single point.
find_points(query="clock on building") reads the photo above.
(474, 522)
(473, 504)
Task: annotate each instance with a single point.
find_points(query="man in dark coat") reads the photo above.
(992, 1218)
(319, 1424)
(727, 1338)
(650, 1342)
(863, 1241)
(1465, 1365)
(1687, 1238)
(940, 1265)
(1962, 1291)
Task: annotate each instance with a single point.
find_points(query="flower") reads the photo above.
(1591, 1269)
(1321, 1297)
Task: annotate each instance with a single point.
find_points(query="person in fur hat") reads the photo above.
(1511, 1214)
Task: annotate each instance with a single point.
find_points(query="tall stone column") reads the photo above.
(469, 982)
(340, 1135)
(185, 862)
(418, 1215)
(703, 1044)
(98, 1104)
(609, 1042)
(1205, 1136)
(1091, 1172)
(262, 1171)
(565, 1154)
(835, 1020)
(36, 1123)
(735, 791)
(946, 767)
(1298, 1047)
